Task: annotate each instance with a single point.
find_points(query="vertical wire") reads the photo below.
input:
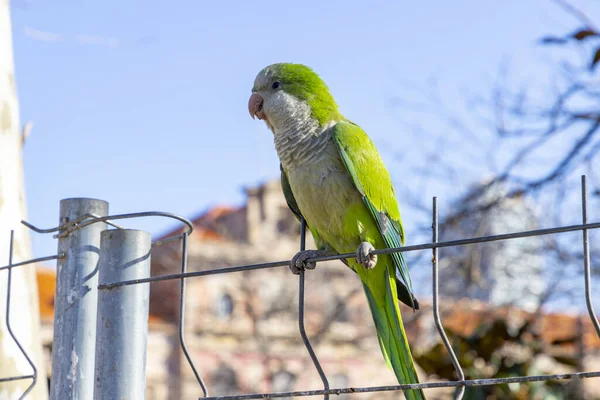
(182, 315)
(460, 391)
(8, 327)
(307, 344)
(586, 258)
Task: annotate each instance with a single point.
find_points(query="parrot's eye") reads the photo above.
(275, 84)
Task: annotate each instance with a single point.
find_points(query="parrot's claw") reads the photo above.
(299, 262)
(363, 257)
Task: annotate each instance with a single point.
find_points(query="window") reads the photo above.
(287, 222)
(282, 381)
(225, 306)
(341, 313)
(340, 381)
(282, 226)
(337, 308)
(224, 381)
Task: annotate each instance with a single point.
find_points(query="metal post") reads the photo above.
(122, 330)
(75, 302)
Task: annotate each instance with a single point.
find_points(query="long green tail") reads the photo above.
(392, 338)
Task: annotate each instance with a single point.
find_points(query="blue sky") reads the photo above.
(144, 103)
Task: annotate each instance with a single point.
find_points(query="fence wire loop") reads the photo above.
(428, 385)
(33, 261)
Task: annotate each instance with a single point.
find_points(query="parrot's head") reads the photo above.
(287, 94)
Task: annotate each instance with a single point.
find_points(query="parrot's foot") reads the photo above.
(299, 262)
(363, 257)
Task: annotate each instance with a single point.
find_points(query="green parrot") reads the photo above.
(333, 177)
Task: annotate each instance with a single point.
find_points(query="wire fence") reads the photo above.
(84, 242)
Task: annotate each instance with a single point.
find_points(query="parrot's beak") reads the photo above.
(255, 106)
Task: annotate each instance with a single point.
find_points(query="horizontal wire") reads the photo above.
(428, 385)
(194, 274)
(424, 246)
(33, 260)
(16, 378)
(462, 242)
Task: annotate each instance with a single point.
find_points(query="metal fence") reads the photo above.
(102, 299)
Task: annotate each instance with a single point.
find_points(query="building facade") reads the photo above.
(499, 273)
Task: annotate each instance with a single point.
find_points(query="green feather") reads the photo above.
(392, 338)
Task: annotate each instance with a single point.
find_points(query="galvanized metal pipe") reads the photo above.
(75, 303)
(122, 330)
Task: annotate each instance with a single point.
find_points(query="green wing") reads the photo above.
(403, 293)
(373, 181)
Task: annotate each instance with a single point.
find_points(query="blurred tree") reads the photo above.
(526, 145)
(496, 350)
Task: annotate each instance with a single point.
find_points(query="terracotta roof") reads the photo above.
(464, 317)
(215, 212)
(201, 223)
(46, 279)
(202, 233)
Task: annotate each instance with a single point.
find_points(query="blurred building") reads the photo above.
(242, 330)
(500, 273)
